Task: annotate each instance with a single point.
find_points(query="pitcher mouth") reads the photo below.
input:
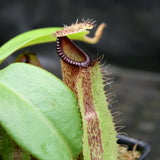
(83, 61)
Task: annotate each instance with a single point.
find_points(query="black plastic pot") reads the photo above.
(143, 147)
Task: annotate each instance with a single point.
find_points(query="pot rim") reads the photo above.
(143, 147)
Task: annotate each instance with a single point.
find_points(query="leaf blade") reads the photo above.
(37, 36)
(39, 121)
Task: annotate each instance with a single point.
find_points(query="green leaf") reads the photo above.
(39, 112)
(33, 37)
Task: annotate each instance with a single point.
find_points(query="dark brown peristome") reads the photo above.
(64, 57)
